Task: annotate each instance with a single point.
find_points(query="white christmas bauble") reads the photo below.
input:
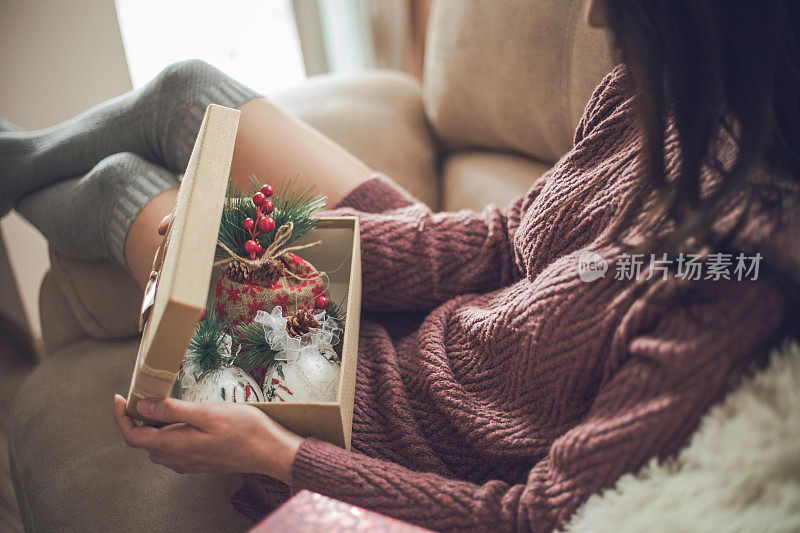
(226, 384)
(309, 379)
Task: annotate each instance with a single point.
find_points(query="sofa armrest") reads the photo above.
(379, 117)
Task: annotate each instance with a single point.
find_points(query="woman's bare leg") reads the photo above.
(272, 144)
(143, 239)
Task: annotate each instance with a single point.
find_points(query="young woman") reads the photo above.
(496, 388)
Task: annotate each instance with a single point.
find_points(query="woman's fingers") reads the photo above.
(123, 421)
(170, 411)
(135, 436)
(164, 224)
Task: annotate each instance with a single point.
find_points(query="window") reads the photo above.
(254, 41)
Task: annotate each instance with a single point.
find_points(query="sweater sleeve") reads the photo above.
(674, 368)
(414, 259)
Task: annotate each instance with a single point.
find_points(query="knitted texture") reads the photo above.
(116, 157)
(495, 389)
(89, 217)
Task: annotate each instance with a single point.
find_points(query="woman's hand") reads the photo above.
(211, 437)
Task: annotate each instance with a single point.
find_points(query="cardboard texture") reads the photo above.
(183, 280)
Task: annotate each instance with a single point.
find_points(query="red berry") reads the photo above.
(267, 207)
(267, 190)
(203, 315)
(259, 198)
(266, 224)
(251, 246)
(248, 224)
(259, 248)
(321, 302)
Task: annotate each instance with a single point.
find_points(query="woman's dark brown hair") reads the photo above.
(711, 64)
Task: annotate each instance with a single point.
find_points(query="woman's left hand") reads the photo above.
(211, 437)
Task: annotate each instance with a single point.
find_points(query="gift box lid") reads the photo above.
(175, 296)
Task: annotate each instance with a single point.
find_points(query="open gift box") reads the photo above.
(177, 293)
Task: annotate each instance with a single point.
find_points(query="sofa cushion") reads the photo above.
(511, 75)
(379, 117)
(471, 180)
(73, 472)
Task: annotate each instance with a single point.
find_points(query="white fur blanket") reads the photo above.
(739, 472)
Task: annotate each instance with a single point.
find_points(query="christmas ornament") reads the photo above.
(305, 368)
(309, 379)
(208, 373)
(225, 384)
(296, 286)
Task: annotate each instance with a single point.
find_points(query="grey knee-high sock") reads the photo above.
(158, 122)
(89, 217)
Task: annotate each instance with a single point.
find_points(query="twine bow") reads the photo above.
(271, 253)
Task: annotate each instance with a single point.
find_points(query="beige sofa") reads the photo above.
(504, 86)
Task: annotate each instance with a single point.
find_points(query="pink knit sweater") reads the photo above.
(498, 391)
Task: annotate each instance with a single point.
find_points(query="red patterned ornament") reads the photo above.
(297, 288)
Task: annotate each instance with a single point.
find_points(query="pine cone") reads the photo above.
(272, 271)
(237, 271)
(300, 323)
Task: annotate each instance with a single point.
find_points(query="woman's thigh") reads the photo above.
(272, 144)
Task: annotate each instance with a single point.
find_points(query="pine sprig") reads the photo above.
(206, 349)
(295, 203)
(254, 350)
(337, 311)
(238, 206)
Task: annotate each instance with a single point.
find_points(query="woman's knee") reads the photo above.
(185, 80)
(115, 167)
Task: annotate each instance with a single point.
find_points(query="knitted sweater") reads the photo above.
(495, 389)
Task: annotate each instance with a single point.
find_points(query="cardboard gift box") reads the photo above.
(178, 289)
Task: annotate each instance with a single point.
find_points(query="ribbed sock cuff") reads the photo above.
(127, 201)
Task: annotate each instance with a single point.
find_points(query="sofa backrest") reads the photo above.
(513, 75)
